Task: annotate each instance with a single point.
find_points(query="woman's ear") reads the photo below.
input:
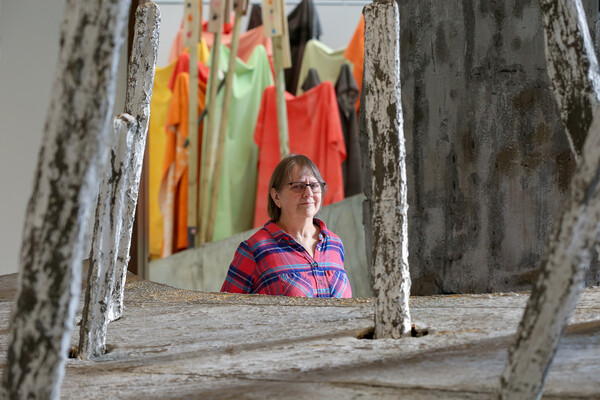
(275, 197)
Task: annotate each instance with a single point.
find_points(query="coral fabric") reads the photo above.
(314, 130)
(159, 106)
(355, 53)
(173, 192)
(177, 47)
(248, 41)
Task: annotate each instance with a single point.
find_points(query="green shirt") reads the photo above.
(235, 208)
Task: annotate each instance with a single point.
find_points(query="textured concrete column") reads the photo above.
(137, 104)
(109, 223)
(572, 67)
(73, 148)
(385, 170)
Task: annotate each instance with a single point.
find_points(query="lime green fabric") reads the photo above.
(325, 60)
(235, 209)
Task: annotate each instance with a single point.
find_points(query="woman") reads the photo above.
(293, 254)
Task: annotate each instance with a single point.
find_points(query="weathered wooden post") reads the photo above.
(384, 170)
(241, 8)
(275, 23)
(573, 70)
(192, 27)
(137, 104)
(103, 260)
(73, 150)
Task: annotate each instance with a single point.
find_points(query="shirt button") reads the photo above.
(315, 264)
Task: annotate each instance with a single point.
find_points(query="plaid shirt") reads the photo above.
(272, 262)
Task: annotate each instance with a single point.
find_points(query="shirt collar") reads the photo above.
(279, 234)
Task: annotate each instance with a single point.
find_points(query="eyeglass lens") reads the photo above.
(300, 187)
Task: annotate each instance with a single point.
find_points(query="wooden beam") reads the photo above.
(191, 37)
(215, 25)
(137, 104)
(107, 229)
(239, 9)
(386, 218)
(275, 23)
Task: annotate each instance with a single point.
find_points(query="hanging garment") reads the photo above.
(159, 107)
(173, 192)
(312, 80)
(183, 65)
(347, 93)
(303, 25)
(325, 60)
(255, 18)
(355, 53)
(177, 47)
(235, 207)
(247, 42)
(314, 130)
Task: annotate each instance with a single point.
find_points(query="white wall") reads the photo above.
(29, 36)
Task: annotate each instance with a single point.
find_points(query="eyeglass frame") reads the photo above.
(308, 185)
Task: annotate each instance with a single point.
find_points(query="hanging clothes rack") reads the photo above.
(289, 3)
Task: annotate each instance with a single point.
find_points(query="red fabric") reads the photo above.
(183, 65)
(315, 130)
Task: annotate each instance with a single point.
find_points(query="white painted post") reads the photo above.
(215, 24)
(385, 186)
(109, 223)
(572, 67)
(192, 25)
(144, 53)
(239, 7)
(74, 148)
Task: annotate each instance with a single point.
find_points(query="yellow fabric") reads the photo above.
(159, 107)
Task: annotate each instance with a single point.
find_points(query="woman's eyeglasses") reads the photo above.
(300, 187)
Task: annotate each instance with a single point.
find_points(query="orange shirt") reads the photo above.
(173, 193)
(355, 53)
(314, 130)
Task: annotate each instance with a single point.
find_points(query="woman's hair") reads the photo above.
(282, 175)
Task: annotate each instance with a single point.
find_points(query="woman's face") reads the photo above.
(294, 204)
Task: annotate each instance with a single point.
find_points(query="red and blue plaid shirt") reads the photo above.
(272, 262)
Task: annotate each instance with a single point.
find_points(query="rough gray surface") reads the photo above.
(183, 344)
(72, 154)
(385, 164)
(205, 267)
(488, 161)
